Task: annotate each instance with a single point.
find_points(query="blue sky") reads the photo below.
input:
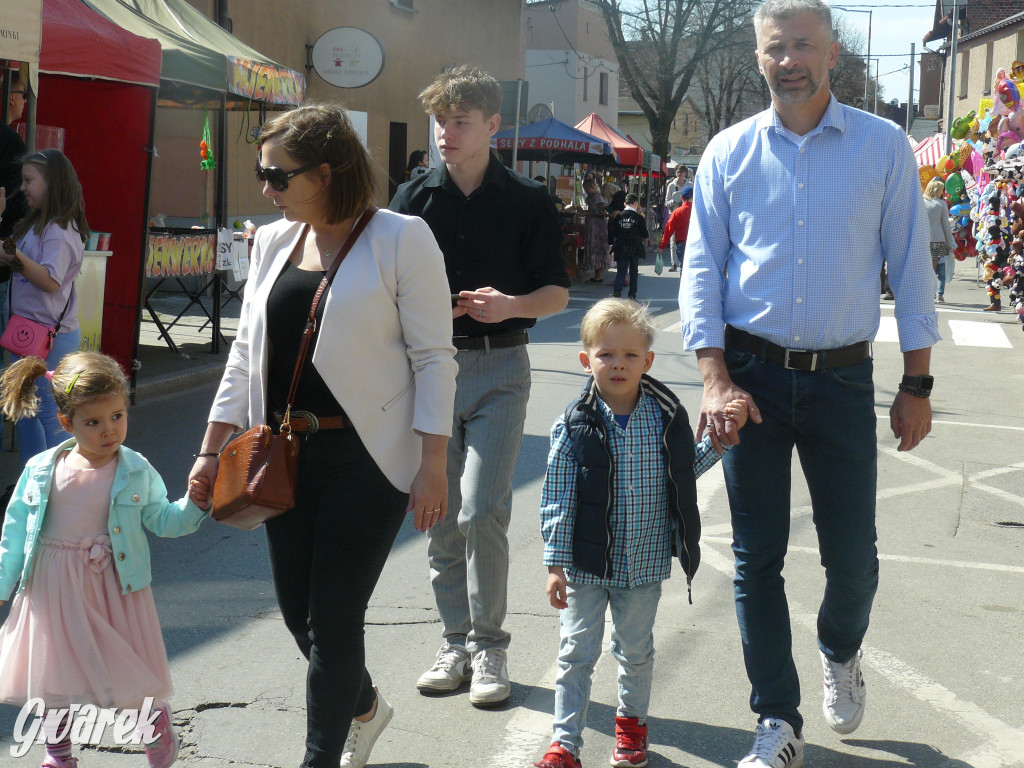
(893, 28)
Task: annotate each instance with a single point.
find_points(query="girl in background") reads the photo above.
(50, 242)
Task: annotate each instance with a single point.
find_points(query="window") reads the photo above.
(965, 65)
(1020, 45)
(586, 77)
(404, 5)
(603, 88)
(987, 87)
(686, 123)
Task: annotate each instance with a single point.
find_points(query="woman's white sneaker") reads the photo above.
(845, 694)
(776, 745)
(362, 736)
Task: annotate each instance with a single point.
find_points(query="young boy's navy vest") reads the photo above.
(595, 480)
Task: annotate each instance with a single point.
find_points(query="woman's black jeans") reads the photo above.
(326, 554)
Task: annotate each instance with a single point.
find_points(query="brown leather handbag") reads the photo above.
(258, 469)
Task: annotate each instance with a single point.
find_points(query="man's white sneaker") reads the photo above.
(362, 736)
(776, 745)
(490, 685)
(845, 694)
(450, 670)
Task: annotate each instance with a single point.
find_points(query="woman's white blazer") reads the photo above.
(384, 347)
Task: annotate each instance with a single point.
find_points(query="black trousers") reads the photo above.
(326, 554)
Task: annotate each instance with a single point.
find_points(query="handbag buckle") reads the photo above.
(312, 423)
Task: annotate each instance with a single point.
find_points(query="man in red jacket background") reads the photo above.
(678, 224)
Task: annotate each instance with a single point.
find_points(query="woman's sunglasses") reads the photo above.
(278, 177)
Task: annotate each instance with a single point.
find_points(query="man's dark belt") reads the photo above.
(797, 359)
(304, 422)
(492, 340)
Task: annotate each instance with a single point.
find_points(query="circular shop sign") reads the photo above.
(348, 57)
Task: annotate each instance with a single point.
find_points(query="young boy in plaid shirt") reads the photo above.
(619, 500)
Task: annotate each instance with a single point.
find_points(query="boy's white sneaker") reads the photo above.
(362, 736)
(490, 686)
(776, 745)
(845, 694)
(451, 669)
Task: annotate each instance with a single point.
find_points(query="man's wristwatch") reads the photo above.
(918, 386)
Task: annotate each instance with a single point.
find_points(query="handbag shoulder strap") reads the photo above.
(56, 328)
(310, 329)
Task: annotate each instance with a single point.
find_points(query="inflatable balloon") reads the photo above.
(955, 187)
(962, 125)
(1017, 71)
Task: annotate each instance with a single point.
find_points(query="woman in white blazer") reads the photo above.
(380, 383)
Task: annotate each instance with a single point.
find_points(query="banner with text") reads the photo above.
(181, 252)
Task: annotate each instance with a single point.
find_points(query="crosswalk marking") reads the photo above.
(967, 333)
(887, 330)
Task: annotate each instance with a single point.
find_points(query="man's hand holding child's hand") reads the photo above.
(556, 587)
(736, 412)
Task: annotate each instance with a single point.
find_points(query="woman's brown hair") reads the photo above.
(77, 379)
(64, 204)
(322, 133)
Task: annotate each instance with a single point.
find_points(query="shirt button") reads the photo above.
(128, 588)
(796, 338)
(462, 237)
(799, 261)
(801, 185)
(121, 556)
(135, 496)
(117, 529)
(799, 300)
(802, 150)
(800, 223)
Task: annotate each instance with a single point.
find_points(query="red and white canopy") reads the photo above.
(930, 150)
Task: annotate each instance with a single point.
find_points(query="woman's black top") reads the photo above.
(287, 310)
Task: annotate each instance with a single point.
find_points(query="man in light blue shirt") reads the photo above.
(794, 212)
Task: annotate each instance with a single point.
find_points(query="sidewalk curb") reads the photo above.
(166, 385)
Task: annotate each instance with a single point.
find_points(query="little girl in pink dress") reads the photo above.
(83, 626)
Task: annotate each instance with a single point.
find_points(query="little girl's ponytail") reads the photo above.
(18, 397)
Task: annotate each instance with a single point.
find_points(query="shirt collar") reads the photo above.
(494, 175)
(834, 117)
(609, 415)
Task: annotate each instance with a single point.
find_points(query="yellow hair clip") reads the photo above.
(69, 387)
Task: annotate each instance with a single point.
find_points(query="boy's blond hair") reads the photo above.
(462, 89)
(609, 312)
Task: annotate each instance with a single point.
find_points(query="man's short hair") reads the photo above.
(609, 312)
(462, 89)
(786, 9)
(680, 169)
(632, 199)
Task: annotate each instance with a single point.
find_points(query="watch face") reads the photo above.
(927, 382)
(919, 382)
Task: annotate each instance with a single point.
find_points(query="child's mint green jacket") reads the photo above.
(138, 498)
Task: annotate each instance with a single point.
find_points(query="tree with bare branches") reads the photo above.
(659, 45)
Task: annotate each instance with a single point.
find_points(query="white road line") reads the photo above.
(971, 333)
(1005, 744)
(887, 331)
(674, 328)
(974, 424)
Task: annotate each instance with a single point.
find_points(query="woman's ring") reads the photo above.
(479, 313)
(435, 510)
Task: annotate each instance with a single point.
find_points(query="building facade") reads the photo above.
(418, 39)
(570, 64)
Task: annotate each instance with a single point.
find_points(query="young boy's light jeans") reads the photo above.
(582, 630)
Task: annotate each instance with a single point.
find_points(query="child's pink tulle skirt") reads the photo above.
(73, 637)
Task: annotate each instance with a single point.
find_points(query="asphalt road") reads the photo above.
(942, 657)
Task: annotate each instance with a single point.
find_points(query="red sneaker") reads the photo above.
(164, 750)
(558, 756)
(630, 743)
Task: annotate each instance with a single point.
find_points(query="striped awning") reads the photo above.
(930, 150)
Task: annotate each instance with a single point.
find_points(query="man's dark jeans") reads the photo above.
(829, 417)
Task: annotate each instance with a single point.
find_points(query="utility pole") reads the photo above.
(875, 110)
(948, 122)
(910, 93)
(867, 66)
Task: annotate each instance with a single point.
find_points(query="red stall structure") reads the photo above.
(99, 83)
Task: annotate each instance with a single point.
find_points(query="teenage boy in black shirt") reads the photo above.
(501, 240)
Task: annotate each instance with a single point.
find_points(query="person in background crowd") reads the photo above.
(677, 227)
(940, 232)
